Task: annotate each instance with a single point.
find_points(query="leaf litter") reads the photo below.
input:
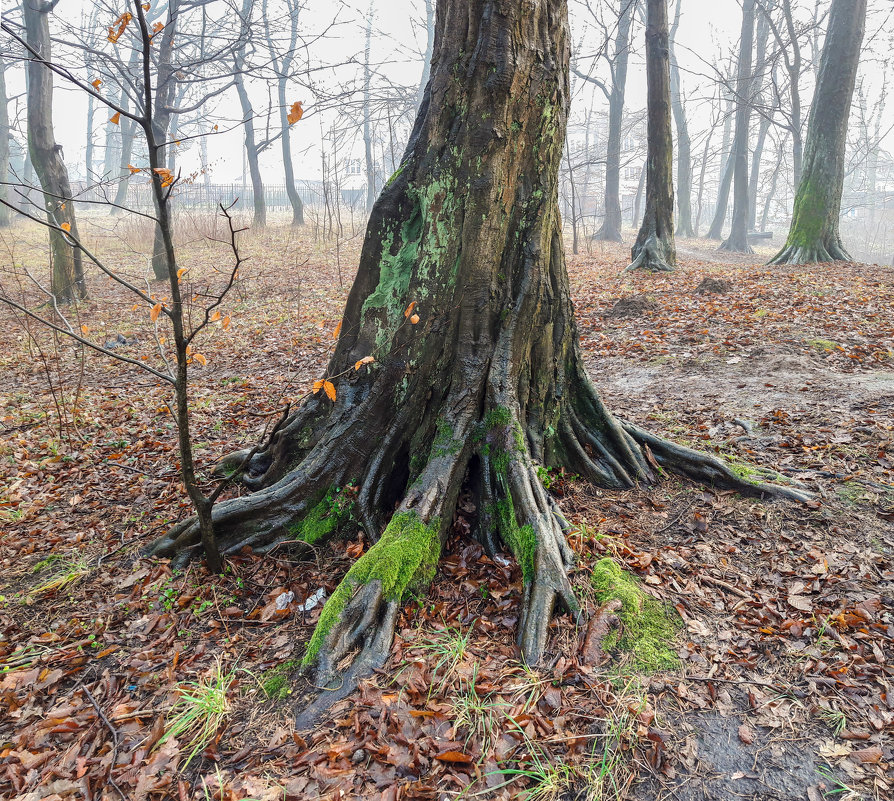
(786, 650)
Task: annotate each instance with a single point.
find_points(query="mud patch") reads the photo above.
(718, 765)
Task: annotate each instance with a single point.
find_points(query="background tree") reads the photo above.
(737, 241)
(5, 134)
(814, 233)
(622, 21)
(655, 248)
(684, 144)
(68, 282)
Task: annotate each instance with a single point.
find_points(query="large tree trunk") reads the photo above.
(4, 148)
(814, 236)
(737, 241)
(610, 230)
(654, 248)
(684, 144)
(462, 298)
(68, 272)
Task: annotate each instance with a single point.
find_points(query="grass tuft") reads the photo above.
(199, 711)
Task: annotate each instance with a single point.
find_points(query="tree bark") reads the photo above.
(429, 45)
(654, 248)
(610, 230)
(68, 281)
(814, 233)
(719, 219)
(684, 144)
(259, 217)
(462, 298)
(737, 241)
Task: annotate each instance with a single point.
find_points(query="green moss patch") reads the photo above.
(275, 682)
(332, 512)
(404, 559)
(522, 540)
(648, 627)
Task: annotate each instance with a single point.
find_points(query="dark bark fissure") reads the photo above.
(485, 385)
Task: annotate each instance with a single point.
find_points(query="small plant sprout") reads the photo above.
(199, 711)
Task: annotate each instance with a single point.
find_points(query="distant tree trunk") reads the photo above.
(4, 147)
(611, 225)
(753, 182)
(259, 218)
(429, 45)
(719, 219)
(638, 197)
(88, 153)
(814, 234)
(701, 182)
(68, 273)
(283, 68)
(367, 117)
(128, 130)
(655, 248)
(737, 241)
(165, 92)
(771, 193)
(684, 144)
(792, 55)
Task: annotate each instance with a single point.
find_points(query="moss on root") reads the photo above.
(333, 511)
(275, 682)
(522, 540)
(648, 627)
(404, 559)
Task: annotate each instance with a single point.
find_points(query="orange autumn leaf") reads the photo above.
(198, 357)
(329, 389)
(414, 319)
(364, 360)
(146, 6)
(66, 227)
(410, 308)
(295, 113)
(157, 27)
(156, 310)
(134, 170)
(226, 322)
(85, 329)
(215, 315)
(180, 272)
(116, 118)
(97, 83)
(318, 385)
(121, 22)
(337, 330)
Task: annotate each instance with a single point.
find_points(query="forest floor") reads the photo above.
(784, 687)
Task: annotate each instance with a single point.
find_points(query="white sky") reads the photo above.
(707, 27)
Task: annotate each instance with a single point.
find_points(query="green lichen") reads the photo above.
(648, 627)
(403, 560)
(444, 443)
(396, 175)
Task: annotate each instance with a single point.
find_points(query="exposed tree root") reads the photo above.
(651, 255)
(821, 252)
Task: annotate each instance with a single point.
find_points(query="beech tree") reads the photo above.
(622, 19)
(457, 362)
(655, 248)
(813, 235)
(68, 281)
(684, 143)
(737, 241)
